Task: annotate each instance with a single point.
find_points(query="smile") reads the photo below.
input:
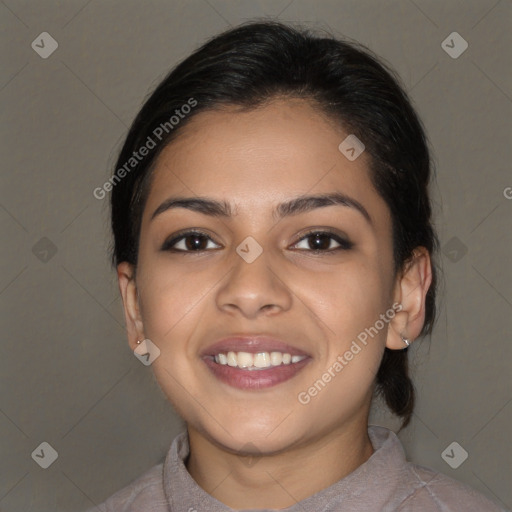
(253, 362)
(243, 370)
(256, 361)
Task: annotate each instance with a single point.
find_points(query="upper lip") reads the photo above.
(252, 344)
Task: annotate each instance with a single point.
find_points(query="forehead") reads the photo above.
(259, 157)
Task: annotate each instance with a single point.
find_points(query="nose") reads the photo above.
(252, 289)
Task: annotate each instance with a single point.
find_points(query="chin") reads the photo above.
(262, 436)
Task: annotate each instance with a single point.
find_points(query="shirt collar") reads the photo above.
(379, 473)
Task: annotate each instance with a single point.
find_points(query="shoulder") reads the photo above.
(436, 492)
(403, 486)
(148, 491)
(145, 493)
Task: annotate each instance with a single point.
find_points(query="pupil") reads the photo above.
(321, 241)
(194, 242)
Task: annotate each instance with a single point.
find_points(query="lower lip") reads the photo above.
(254, 379)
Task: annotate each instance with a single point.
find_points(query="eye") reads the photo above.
(322, 241)
(190, 241)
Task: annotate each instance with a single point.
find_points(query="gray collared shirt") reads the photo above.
(386, 482)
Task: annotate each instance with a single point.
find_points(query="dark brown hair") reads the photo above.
(256, 62)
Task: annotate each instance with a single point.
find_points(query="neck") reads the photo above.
(287, 477)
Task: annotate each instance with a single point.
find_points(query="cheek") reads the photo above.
(349, 302)
(170, 298)
(171, 307)
(348, 299)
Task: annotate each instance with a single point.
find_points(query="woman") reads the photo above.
(274, 249)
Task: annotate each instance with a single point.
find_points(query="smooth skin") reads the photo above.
(318, 301)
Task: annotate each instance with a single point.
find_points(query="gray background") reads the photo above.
(67, 375)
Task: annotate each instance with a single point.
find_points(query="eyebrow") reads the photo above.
(301, 204)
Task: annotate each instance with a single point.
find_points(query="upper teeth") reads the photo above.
(258, 360)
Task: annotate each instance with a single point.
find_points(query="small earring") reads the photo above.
(405, 340)
(139, 342)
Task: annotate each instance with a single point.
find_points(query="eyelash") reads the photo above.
(344, 244)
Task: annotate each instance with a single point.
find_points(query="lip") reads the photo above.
(253, 379)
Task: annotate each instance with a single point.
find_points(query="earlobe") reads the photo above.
(410, 291)
(129, 294)
(397, 337)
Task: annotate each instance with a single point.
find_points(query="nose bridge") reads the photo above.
(253, 284)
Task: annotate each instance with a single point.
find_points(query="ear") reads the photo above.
(129, 293)
(411, 288)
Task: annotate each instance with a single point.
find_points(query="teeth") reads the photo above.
(256, 361)
(276, 358)
(245, 359)
(232, 360)
(261, 360)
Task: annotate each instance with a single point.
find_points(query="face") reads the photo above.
(226, 289)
